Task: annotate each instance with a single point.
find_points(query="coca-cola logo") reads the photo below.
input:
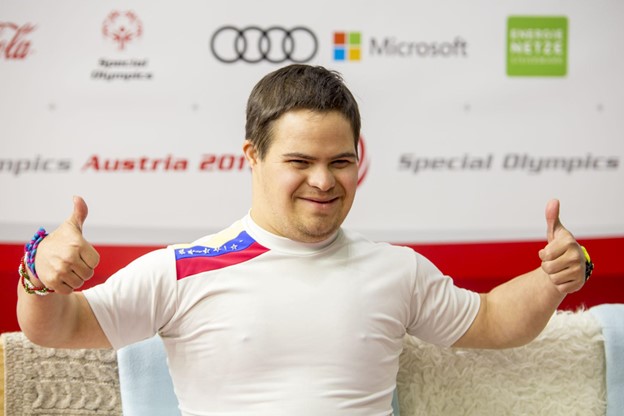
(122, 27)
(13, 40)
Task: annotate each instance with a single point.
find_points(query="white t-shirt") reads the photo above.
(256, 324)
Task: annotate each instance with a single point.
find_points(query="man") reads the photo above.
(284, 312)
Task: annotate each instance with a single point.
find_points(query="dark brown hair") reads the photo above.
(297, 87)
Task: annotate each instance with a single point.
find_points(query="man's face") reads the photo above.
(305, 185)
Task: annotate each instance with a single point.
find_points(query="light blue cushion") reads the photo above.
(611, 318)
(144, 380)
(395, 403)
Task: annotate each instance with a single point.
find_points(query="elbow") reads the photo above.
(34, 331)
(34, 336)
(38, 324)
(515, 342)
(41, 336)
(514, 336)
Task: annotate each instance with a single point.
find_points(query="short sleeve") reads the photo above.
(440, 311)
(138, 300)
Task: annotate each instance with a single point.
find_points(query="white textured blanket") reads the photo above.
(44, 381)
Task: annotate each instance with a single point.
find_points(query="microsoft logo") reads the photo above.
(537, 46)
(347, 46)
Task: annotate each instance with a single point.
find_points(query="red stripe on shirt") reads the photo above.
(195, 265)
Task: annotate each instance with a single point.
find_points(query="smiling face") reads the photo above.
(304, 186)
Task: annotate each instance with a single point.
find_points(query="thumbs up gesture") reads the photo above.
(562, 258)
(65, 260)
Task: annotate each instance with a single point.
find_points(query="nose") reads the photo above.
(322, 178)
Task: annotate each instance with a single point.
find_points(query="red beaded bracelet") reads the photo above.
(27, 284)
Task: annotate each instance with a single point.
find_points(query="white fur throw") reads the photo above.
(562, 372)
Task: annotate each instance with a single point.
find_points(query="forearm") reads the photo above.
(518, 310)
(44, 319)
(59, 321)
(515, 312)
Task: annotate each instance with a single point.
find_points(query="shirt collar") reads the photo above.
(276, 242)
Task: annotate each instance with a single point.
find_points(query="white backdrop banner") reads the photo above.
(474, 113)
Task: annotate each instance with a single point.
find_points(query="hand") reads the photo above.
(562, 258)
(64, 259)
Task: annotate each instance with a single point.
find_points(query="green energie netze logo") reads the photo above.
(537, 46)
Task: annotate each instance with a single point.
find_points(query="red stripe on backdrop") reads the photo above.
(476, 266)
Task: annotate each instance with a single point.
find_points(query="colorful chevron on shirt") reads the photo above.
(215, 253)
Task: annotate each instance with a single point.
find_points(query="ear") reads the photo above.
(251, 154)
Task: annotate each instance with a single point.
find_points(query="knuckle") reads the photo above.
(547, 267)
(56, 268)
(571, 244)
(545, 253)
(62, 266)
(548, 253)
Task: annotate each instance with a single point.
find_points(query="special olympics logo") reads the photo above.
(122, 27)
(253, 44)
(364, 161)
(15, 44)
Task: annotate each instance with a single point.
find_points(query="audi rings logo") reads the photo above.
(253, 44)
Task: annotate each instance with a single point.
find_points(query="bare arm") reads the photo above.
(515, 312)
(59, 321)
(64, 261)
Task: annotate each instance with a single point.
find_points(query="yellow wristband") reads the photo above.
(589, 265)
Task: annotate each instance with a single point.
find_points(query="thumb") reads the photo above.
(79, 215)
(552, 219)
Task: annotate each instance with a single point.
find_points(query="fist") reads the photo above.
(65, 260)
(562, 258)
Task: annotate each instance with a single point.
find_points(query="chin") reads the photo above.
(319, 233)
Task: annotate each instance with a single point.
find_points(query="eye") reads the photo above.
(341, 163)
(299, 163)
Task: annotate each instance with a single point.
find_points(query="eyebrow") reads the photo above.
(349, 155)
